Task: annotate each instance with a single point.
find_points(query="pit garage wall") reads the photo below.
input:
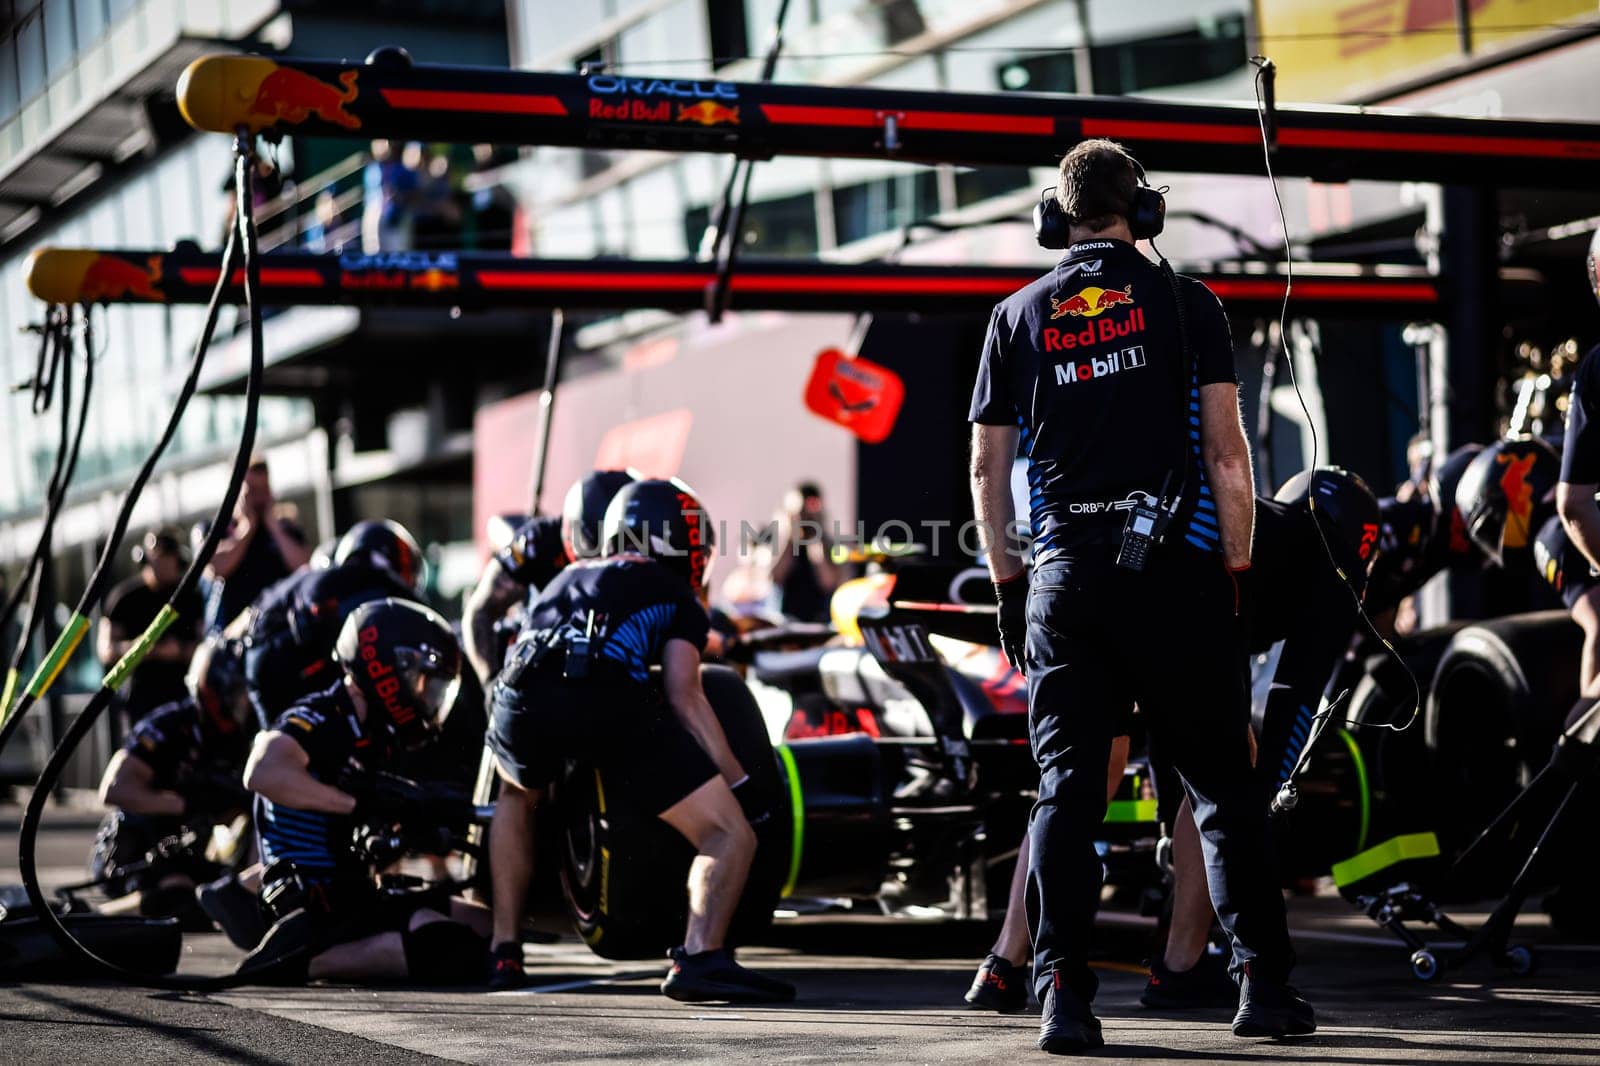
(719, 406)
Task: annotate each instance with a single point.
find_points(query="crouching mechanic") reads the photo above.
(577, 684)
(531, 559)
(317, 775)
(294, 623)
(177, 774)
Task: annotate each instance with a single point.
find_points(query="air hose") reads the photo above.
(55, 359)
(245, 237)
(78, 624)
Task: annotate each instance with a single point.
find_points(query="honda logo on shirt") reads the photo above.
(1116, 362)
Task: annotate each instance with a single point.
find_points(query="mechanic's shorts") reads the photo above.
(1561, 563)
(621, 726)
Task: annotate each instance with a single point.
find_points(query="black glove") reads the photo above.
(387, 796)
(755, 812)
(214, 791)
(1012, 597)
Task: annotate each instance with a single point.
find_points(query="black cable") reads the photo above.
(63, 753)
(78, 623)
(1263, 66)
(58, 326)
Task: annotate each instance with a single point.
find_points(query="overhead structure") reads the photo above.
(390, 97)
(457, 279)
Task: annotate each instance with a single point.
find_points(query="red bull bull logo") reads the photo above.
(1091, 301)
(110, 277)
(708, 113)
(291, 96)
(1519, 498)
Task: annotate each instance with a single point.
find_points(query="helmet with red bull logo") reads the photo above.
(406, 663)
(384, 544)
(1504, 494)
(1347, 512)
(665, 521)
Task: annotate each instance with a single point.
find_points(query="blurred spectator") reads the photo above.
(803, 572)
(132, 605)
(266, 188)
(492, 210)
(324, 220)
(389, 195)
(436, 215)
(261, 545)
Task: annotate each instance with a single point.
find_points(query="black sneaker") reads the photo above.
(715, 977)
(285, 952)
(998, 986)
(505, 967)
(1271, 1009)
(1066, 1024)
(235, 909)
(1205, 984)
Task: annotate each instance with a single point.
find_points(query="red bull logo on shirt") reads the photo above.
(1091, 301)
(1102, 332)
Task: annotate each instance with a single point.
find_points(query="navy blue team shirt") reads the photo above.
(1087, 361)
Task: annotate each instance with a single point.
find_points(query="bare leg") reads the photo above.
(1191, 900)
(1014, 944)
(711, 820)
(1586, 612)
(472, 914)
(381, 956)
(511, 857)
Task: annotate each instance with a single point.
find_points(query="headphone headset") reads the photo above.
(1146, 213)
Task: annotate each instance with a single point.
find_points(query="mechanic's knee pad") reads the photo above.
(445, 953)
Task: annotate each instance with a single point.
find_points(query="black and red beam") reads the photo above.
(391, 98)
(454, 279)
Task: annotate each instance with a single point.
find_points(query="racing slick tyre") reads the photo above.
(1493, 714)
(623, 871)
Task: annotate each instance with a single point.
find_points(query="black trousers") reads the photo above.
(1098, 638)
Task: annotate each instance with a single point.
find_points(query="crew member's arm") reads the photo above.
(994, 449)
(1227, 458)
(111, 641)
(487, 603)
(1580, 514)
(231, 549)
(1580, 462)
(993, 415)
(129, 784)
(291, 547)
(278, 770)
(680, 676)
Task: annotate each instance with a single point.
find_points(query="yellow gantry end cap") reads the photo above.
(219, 93)
(55, 275)
(80, 275)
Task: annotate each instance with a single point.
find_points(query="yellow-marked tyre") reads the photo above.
(623, 871)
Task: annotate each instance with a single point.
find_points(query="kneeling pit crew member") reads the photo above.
(577, 684)
(317, 775)
(294, 623)
(534, 555)
(176, 774)
(1120, 377)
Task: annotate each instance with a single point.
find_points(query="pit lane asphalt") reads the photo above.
(871, 990)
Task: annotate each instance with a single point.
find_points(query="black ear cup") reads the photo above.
(1049, 221)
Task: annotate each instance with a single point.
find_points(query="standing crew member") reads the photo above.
(1568, 554)
(260, 546)
(131, 606)
(1120, 377)
(577, 684)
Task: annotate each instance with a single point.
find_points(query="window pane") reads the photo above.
(60, 44)
(30, 57)
(91, 18)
